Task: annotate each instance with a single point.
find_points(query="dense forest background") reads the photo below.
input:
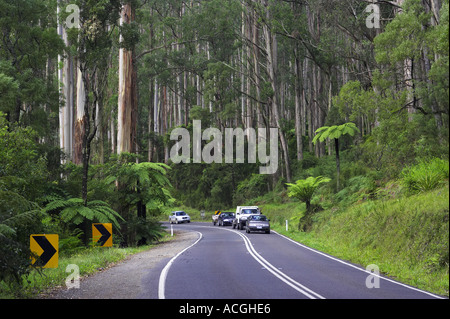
(90, 91)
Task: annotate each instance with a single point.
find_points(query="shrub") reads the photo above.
(71, 242)
(357, 188)
(140, 231)
(426, 175)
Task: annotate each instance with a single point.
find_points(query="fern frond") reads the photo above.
(56, 205)
(161, 179)
(108, 215)
(322, 129)
(6, 231)
(86, 212)
(303, 189)
(24, 217)
(97, 203)
(335, 132)
(75, 201)
(15, 211)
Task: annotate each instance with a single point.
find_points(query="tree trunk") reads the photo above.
(127, 103)
(88, 134)
(431, 7)
(271, 50)
(80, 119)
(86, 154)
(65, 77)
(298, 115)
(150, 125)
(338, 163)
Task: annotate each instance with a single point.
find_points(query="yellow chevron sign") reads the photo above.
(44, 251)
(102, 234)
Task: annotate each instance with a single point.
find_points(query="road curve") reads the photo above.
(230, 264)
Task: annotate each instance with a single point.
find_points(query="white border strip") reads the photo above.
(165, 271)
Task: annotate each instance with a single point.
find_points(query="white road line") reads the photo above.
(358, 268)
(274, 271)
(277, 273)
(164, 272)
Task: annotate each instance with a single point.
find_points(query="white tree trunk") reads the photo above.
(79, 124)
(271, 50)
(65, 77)
(126, 103)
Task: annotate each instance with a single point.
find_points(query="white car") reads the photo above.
(179, 217)
(242, 213)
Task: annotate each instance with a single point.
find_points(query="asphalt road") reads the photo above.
(229, 264)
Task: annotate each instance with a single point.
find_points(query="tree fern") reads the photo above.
(145, 182)
(335, 132)
(304, 189)
(60, 204)
(139, 185)
(73, 211)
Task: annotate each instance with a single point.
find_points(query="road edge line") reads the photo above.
(356, 267)
(165, 271)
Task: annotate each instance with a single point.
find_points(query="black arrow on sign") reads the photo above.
(49, 250)
(105, 234)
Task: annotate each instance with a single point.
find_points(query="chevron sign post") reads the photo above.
(102, 234)
(44, 251)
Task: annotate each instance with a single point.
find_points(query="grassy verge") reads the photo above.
(89, 261)
(408, 237)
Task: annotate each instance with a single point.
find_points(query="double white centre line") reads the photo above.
(276, 272)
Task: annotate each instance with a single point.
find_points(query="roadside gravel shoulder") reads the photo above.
(125, 280)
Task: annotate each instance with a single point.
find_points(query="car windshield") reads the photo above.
(181, 213)
(260, 218)
(227, 215)
(250, 211)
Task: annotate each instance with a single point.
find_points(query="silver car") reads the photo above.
(179, 217)
(257, 223)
